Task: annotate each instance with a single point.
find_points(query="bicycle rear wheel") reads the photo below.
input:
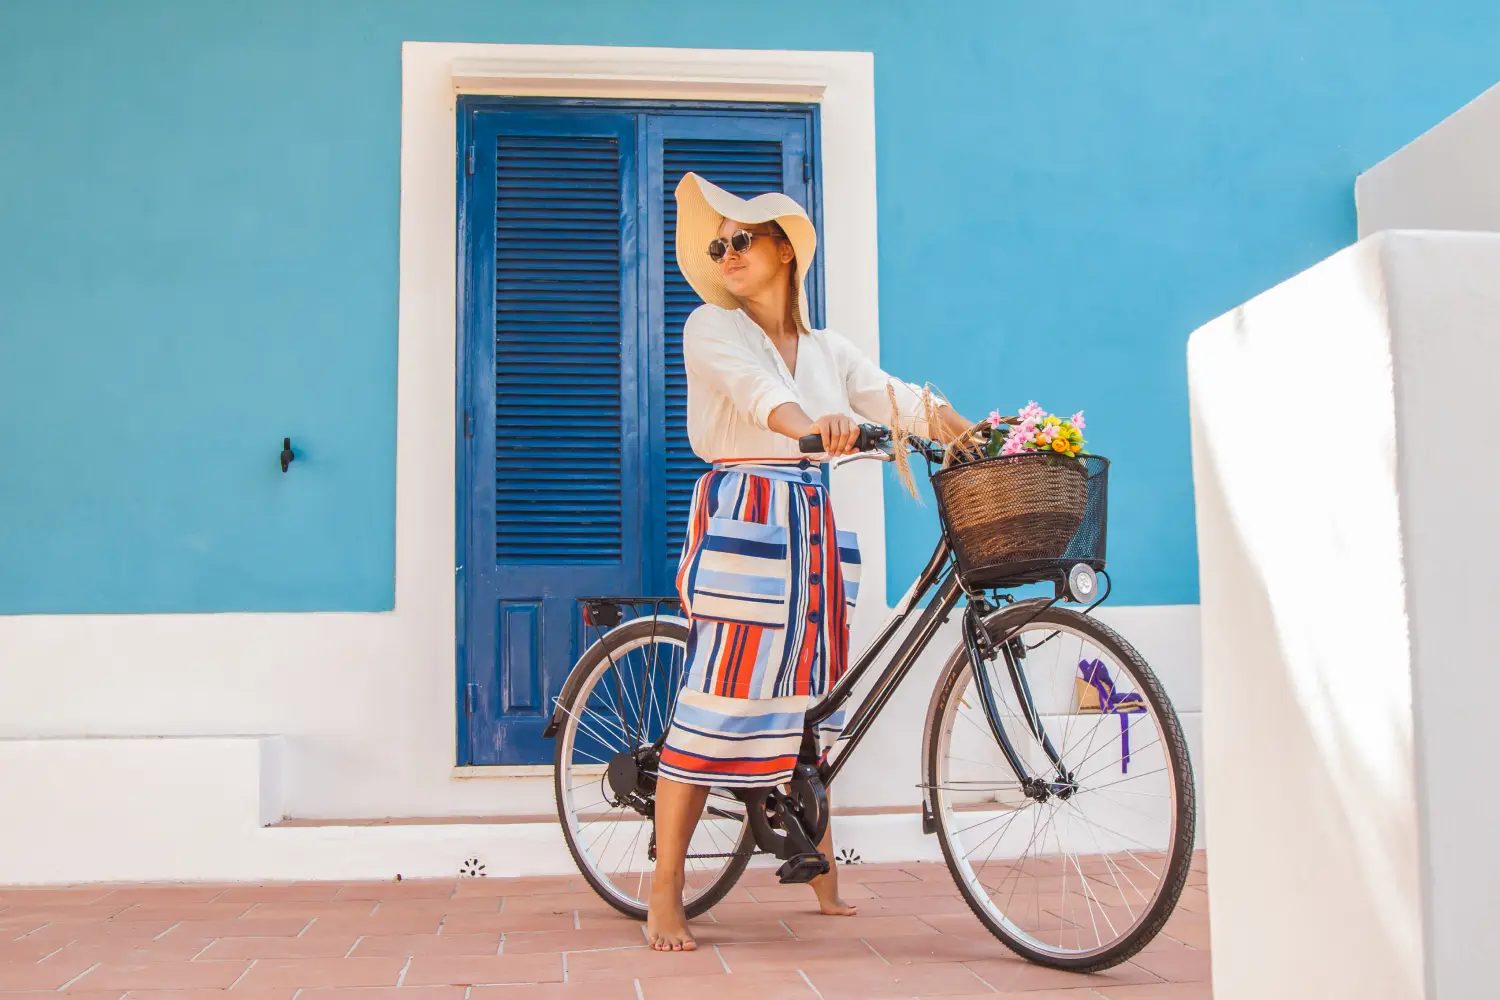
(1082, 871)
(621, 706)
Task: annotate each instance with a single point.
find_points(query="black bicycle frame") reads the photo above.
(947, 592)
(946, 598)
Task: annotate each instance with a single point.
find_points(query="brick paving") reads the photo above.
(525, 938)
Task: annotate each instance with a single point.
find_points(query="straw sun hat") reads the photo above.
(701, 209)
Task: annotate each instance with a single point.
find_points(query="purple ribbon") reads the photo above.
(1096, 675)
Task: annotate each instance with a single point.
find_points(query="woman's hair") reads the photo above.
(793, 311)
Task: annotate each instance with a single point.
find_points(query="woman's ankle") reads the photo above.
(667, 886)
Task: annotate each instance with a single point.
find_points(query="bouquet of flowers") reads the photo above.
(1035, 430)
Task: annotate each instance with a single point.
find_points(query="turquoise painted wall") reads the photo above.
(198, 247)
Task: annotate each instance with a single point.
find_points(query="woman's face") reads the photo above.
(749, 274)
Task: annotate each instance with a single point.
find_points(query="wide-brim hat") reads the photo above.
(702, 207)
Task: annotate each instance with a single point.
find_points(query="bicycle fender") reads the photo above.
(1006, 617)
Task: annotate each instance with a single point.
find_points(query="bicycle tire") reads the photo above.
(1176, 874)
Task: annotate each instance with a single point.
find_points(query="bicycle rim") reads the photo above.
(1085, 877)
(625, 703)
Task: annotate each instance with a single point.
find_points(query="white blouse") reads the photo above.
(736, 377)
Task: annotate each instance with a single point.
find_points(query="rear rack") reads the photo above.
(605, 613)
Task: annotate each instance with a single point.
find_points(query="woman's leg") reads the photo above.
(678, 806)
(827, 886)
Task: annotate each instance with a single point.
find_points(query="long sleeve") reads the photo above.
(714, 351)
(867, 384)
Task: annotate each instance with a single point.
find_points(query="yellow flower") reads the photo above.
(1041, 441)
(1074, 435)
(1054, 421)
(1059, 444)
(1076, 448)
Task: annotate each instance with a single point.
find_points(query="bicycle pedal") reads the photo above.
(801, 868)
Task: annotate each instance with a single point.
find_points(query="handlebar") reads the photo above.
(871, 436)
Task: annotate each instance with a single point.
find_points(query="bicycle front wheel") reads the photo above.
(605, 773)
(1080, 867)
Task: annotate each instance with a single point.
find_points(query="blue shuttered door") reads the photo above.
(575, 469)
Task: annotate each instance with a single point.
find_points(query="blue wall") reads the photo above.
(198, 243)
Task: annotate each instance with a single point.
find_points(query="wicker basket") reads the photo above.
(1017, 518)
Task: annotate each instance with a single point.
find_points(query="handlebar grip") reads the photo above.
(871, 436)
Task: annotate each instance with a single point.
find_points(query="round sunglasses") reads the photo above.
(739, 241)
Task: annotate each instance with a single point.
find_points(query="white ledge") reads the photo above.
(594, 71)
(484, 76)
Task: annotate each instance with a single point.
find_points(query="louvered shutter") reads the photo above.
(557, 350)
(747, 168)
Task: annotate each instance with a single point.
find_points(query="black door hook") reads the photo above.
(287, 455)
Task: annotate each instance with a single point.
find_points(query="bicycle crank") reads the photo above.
(790, 824)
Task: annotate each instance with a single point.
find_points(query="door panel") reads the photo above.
(552, 395)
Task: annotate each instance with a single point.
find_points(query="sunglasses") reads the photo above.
(739, 241)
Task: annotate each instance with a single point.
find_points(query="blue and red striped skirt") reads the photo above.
(769, 583)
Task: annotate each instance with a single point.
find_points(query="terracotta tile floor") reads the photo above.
(515, 939)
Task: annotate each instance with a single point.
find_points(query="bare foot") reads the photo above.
(666, 923)
(827, 889)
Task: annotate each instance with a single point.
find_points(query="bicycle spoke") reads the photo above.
(1108, 862)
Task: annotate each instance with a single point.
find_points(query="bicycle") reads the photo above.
(1022, 769)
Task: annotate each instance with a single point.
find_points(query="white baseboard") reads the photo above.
(201, 809)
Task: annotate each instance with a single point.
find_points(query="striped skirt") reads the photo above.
(769, 583)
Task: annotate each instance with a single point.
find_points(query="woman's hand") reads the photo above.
(840, 434)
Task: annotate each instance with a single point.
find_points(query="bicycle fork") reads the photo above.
(981, 650)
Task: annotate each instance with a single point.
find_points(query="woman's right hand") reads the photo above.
(840, 434)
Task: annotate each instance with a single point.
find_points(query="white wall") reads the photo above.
(1445, 179)
(1348, 625)
(1444, 303)
(1307, 696)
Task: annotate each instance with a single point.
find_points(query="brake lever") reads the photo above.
(885, 453)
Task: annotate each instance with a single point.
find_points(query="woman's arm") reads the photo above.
(870, 390)
(839, 433)
(952, 425)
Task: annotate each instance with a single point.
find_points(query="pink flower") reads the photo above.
(1019, 438)
(1077, 420)
(1031, 411)
(994, 418)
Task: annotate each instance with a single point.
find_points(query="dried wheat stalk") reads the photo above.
(967, 447)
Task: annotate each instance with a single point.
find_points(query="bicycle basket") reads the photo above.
(1019, 519)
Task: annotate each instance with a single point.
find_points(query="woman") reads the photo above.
(765, 577)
